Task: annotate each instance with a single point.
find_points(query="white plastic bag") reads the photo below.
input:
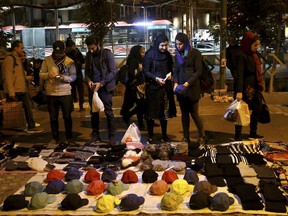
(231, 113)
(132, 134)
(244, 114)
(97, 104)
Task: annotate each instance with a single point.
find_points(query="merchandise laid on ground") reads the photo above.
(80, 179)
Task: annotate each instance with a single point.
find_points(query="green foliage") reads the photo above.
(99, 15)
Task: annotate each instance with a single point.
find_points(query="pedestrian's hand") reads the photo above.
(239, 96)
(160, 81)
(175, 86)
(97, 86)
(180, 90)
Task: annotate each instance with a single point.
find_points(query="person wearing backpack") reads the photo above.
(100, 74)
(187, 73)
(15, 87)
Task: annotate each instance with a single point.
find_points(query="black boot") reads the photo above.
(238, 131)
(164, 137)
(150, 129)
(253, 134)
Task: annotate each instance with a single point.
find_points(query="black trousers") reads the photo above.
(66, 104)
(106, 98)
(78, 86)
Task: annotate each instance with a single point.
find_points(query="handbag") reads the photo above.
(264, 114)
(13, 115)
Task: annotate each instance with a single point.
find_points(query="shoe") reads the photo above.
(202, 141)
(165, 139)
(238, 139)
(255, 136)
(36, 124)
(53, 142)
(185, 139)
(35, 130)
(94, 139)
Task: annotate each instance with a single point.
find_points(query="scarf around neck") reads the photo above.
(246, 43)
(60, 64)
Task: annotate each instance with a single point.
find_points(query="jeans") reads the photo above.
(106, 98)
(66, 104)
(25, 98)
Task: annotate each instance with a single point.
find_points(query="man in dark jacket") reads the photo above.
(78, 85)
(100, 73)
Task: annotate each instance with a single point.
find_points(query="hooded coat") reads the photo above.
(159, 99)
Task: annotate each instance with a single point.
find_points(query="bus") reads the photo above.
(122, 36)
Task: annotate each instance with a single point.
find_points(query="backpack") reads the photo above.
(122, 74)
(206, 78)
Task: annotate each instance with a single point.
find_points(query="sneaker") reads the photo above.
(202, 141)
(35, 130)
(36, 124)
(94, 139)
(255, 136)
(165, 139)
(186, 140)
(53, 142)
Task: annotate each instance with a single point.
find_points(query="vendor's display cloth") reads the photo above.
(222, 203)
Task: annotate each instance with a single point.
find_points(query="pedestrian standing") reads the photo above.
(231, 56)
(100, 74)
(78, 85)
(249, 82)
(160, 103)
(133, 92)
(187, 72)
(15, 86)
(58, 71)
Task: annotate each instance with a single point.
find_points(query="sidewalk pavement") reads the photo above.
(217, 130)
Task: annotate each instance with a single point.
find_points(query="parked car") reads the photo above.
(203, 47)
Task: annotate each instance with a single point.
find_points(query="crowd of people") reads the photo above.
(153, 80)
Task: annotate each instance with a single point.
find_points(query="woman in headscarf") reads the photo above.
(132, 94)
(187, 72)
(249, 81)
(157, 68)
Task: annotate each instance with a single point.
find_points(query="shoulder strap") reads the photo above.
(14, 62)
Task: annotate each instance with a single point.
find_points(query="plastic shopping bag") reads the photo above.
(231, 113)
(132, 134)
(97, 104)
(243, 114)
